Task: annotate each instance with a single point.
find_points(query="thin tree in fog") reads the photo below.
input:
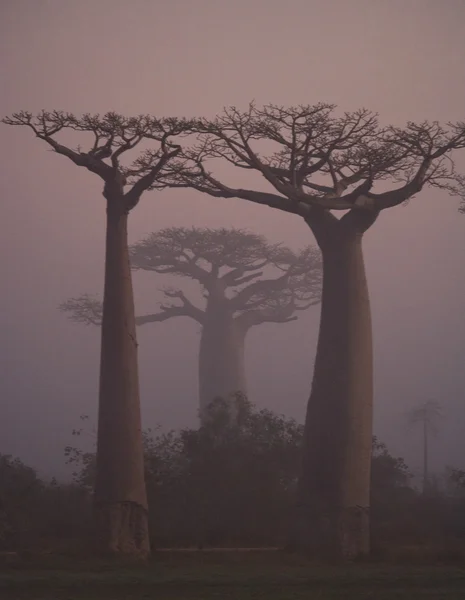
(427, 416)
(120, 499)
(315, 164)
(245, 282)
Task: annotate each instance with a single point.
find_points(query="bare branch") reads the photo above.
(200, 253)
(186, 309)
(253, 318)
(321, 161)
(85, 309)
(165, 314)
(280, 312)
(241, 280)
(300, 283)
(112, 136)
(228, 262)
(256, 291)
(277, 300)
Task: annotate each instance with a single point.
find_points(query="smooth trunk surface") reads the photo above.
(120, 494)
(221, 357)
(334, 489)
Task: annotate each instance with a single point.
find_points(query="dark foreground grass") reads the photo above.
(232, 576)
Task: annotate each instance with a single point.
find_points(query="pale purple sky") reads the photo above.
(402, 58)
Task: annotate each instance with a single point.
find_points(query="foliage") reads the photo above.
(20, 488)
(391, 495)
(457, 478)
(232, 481)
(229, 483)
(32, 510)
(225, 483)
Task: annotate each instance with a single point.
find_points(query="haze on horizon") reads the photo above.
(403, 59)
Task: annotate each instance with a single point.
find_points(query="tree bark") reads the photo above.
(332, 517)
(120, 498)
(221, 358)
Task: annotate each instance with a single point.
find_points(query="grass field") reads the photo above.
(232, 576)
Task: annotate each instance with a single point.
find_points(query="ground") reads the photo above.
(225, 576)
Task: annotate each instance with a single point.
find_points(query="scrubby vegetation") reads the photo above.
(230, 483)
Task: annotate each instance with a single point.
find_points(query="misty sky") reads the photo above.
(402, 58)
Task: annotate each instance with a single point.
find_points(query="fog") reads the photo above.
(403, 59)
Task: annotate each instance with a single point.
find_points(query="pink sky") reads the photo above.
(402, 58)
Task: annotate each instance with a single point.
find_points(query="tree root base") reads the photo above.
(121, 529)
(343, 535)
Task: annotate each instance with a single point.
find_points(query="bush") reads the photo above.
(229, 483)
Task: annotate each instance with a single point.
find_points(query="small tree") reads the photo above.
(315, 164)
(20, 490)
(120, 494)
(427, 416)
(245, 282)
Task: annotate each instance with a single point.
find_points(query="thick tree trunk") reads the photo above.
(120, 494)
(221, 358)
(334, 489)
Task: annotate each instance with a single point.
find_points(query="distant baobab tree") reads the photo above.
(427, 416)
(120, 498)
(245, 282)
(314, 164)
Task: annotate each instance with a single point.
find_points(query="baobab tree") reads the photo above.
(120, 498)
(316, 164)
(245, 281)
(427, 416)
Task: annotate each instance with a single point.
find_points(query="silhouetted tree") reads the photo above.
(314, 164)
(245, 282)
(241, 474)
(120, 494)
(427, 415)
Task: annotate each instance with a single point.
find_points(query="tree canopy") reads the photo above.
(111, 138)
(313, 159)
(261, 282)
